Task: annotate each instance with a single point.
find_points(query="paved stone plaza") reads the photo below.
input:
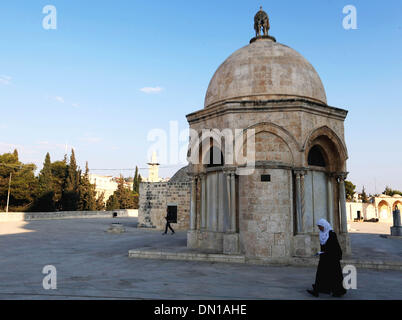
(92, 263)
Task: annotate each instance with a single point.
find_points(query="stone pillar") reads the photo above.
(300, 173)
(203, 201)
(330, 198)
(221, 210)
(396, 229)
(215, 203)
(298, 204)
(342, 201)
(233, 220)
(302, 198)
(228, 192)
(231, 239)
(299, 199)
(193, 204)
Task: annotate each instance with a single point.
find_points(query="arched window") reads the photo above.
(315, 157)
(214, 158)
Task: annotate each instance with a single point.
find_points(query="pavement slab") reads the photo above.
(94, 264)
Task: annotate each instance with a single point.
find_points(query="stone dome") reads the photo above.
(265, 70)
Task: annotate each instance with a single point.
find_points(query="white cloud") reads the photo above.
(9, 147)
(152, 90)
(5, 80)
(59, 99)
(75, 105)
(91, 139)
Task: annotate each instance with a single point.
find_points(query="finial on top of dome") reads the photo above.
(261, 23)
(261, 26)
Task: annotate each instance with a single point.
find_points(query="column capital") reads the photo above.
(229, 170)
(341, 176)
(300, 171)
(193, 175)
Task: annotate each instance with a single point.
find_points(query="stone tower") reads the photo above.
(153, 173)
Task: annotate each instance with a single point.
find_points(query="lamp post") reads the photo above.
(8, 195)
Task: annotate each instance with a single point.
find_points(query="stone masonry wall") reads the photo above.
(265, 214)
(153, 202)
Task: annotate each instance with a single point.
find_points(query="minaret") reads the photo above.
(153, 169)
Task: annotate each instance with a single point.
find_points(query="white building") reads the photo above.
(106, 184)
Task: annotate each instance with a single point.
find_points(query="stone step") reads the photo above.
(189, 256)
(295, 261)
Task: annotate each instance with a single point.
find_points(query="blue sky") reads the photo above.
(81, 84)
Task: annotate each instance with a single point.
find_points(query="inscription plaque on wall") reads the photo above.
(265, 178)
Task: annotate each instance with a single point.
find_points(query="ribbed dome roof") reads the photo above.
(265, 70)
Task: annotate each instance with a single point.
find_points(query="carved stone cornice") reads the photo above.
(267, 105)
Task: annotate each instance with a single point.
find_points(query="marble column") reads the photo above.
(213, 203)
(221, 196)
(299, 199)
(233, 220)
(330, 198)
(193, 204)
(302, 198)
(298, 204)
(228, 189)
(342, 201)
(203, 201)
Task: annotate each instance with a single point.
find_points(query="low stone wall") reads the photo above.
(27, 216)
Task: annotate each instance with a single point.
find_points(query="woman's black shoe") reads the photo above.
(312, 292)
(338, 295)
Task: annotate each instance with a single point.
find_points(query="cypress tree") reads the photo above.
(45, 200)
(122, 198)
(364, 196)
(135, 182)
(100, 202)
(70, 192)
(87, 193)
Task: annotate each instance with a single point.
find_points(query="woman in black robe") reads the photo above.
(329, 277)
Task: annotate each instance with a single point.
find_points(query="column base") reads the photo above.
(396, 231)
(231, 243)
(192, 239)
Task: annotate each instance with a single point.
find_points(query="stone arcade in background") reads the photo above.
(300, 156)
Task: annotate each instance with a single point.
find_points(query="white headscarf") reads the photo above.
(324, 235)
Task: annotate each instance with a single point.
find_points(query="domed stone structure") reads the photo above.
(267, 156)
(265, 70)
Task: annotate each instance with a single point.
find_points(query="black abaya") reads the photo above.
(329, 277)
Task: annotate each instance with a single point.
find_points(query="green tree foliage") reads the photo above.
(59, 174)
(136, 184)
(24, 184)
(86, 193)
(349, 189)
(364, 196)
(100, 202)
(59, 186)
(390, 192)
(112, 203)
(70, 196)
(44, 201)
(122, 198)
